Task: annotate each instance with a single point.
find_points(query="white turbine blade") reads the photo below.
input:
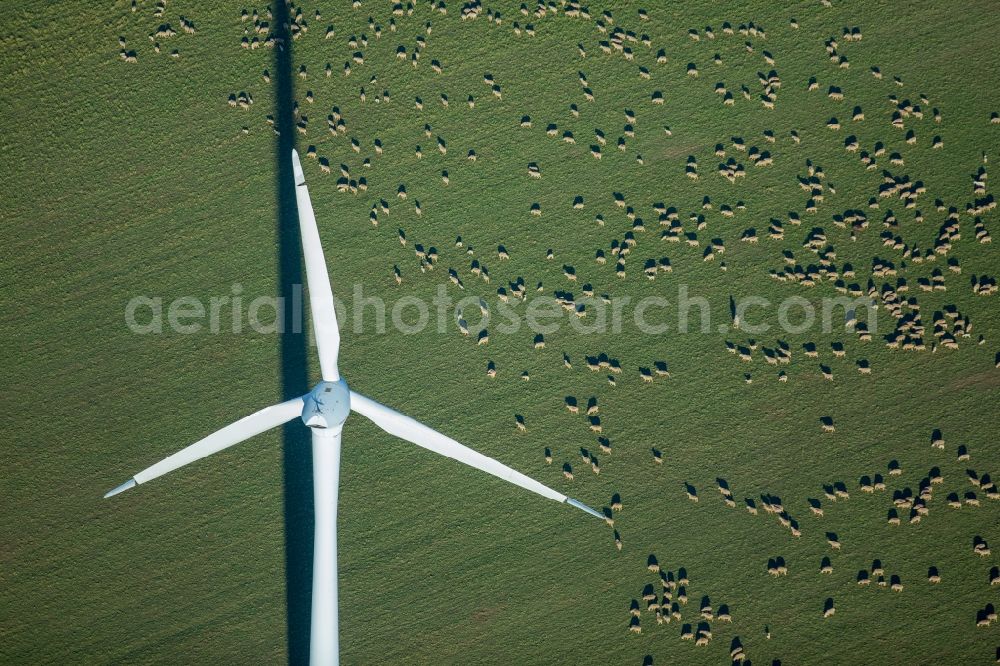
(324, 317)
(234, 433)
(411, 430)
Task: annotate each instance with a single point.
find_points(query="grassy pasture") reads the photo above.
(125, 179)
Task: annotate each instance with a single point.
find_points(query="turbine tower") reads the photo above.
(324, 410)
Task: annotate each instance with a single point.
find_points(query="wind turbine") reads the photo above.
(324, 409)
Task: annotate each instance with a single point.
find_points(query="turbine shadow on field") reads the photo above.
(296, 455)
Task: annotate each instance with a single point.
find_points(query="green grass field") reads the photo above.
(126, 179)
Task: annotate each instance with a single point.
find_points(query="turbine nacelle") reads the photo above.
(327, 405)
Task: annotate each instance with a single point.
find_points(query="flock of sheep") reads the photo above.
(897, 204)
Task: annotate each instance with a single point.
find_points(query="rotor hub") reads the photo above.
(327, 405)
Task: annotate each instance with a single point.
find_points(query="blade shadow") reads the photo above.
(297, 457)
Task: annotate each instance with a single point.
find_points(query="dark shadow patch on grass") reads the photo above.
(296, 456)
